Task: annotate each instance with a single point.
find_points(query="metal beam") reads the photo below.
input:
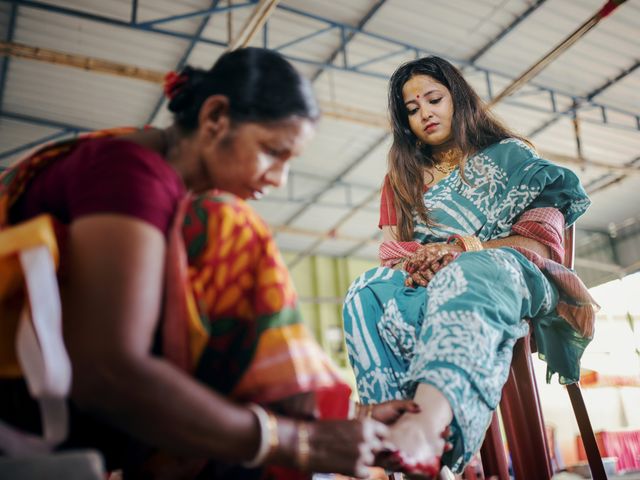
(337, 178)
(590, 96)
(108, 20)
(598, 265)
(380, 58)
(608, 180)
(304, 38)
(321, 65)
(206, 12)
(35, 143)
(134, 11)
(4, 67)
(183, 60)
(43, 122)
(330, 110)
(375, 239)
(392, 41)
(332, 232)
(346, 38)
(482, 50)
(558, 50)
(303, 232)
(303, 200)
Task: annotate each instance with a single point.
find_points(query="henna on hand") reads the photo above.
(427, 261)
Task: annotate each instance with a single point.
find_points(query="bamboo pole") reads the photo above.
(55, 57)
(558, 50)
(254, 23)
(329, 109)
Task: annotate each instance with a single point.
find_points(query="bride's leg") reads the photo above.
(378, 333)
(473, 316)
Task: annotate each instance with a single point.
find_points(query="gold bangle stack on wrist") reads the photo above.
(469, 243)
(303, 449)
(269, 439)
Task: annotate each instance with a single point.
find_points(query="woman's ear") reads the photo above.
(214, 116)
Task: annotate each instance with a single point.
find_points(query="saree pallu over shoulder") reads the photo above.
(500, 183)
(244, 334)
(508, 189)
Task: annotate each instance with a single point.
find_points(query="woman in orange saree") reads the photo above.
(134, 369)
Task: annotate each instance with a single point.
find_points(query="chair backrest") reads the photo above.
(569, 246)
(31, 331)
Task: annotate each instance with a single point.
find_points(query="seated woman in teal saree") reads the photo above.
(462, 268)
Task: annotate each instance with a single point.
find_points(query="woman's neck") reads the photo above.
(447, 153)
(178, 150)
(181, 153)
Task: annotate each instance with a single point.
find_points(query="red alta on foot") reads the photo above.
(429, 470)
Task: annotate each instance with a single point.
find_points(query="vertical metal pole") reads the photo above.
(4, 68)
(134, 12)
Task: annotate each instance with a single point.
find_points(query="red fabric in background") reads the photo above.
(624, 445)
(333, 404)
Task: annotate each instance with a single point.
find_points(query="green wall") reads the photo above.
(321, 283)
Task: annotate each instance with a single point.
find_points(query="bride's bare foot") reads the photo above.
(419, 436)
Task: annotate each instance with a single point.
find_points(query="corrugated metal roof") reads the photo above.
(346, 162)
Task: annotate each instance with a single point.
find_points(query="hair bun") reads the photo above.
(179, 88)
(172, 83)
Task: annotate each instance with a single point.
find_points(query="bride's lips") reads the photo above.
(431, 127)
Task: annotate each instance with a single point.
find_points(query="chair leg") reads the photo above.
(586, 432)
(492, 454)
(522, 417)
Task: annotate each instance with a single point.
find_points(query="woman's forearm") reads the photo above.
(519, 241)
(161, 405)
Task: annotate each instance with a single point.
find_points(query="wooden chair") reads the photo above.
(523, 421)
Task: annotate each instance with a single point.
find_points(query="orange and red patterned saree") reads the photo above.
(230, 315)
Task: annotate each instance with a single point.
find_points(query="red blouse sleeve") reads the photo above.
(387, 208)
(105, 175)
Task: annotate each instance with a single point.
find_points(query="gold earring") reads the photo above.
(419, 144)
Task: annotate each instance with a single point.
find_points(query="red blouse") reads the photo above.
(388, 215)
(104, 175)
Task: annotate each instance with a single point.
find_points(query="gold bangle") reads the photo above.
(474, 243)
(469, 243)
(364, 411)
(304, 449)
(358, 410)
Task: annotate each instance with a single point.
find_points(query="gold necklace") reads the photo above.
(450, 167)
(449, 160)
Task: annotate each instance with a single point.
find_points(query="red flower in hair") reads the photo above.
(172, 83)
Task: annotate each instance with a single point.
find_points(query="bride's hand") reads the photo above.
(428, 260)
